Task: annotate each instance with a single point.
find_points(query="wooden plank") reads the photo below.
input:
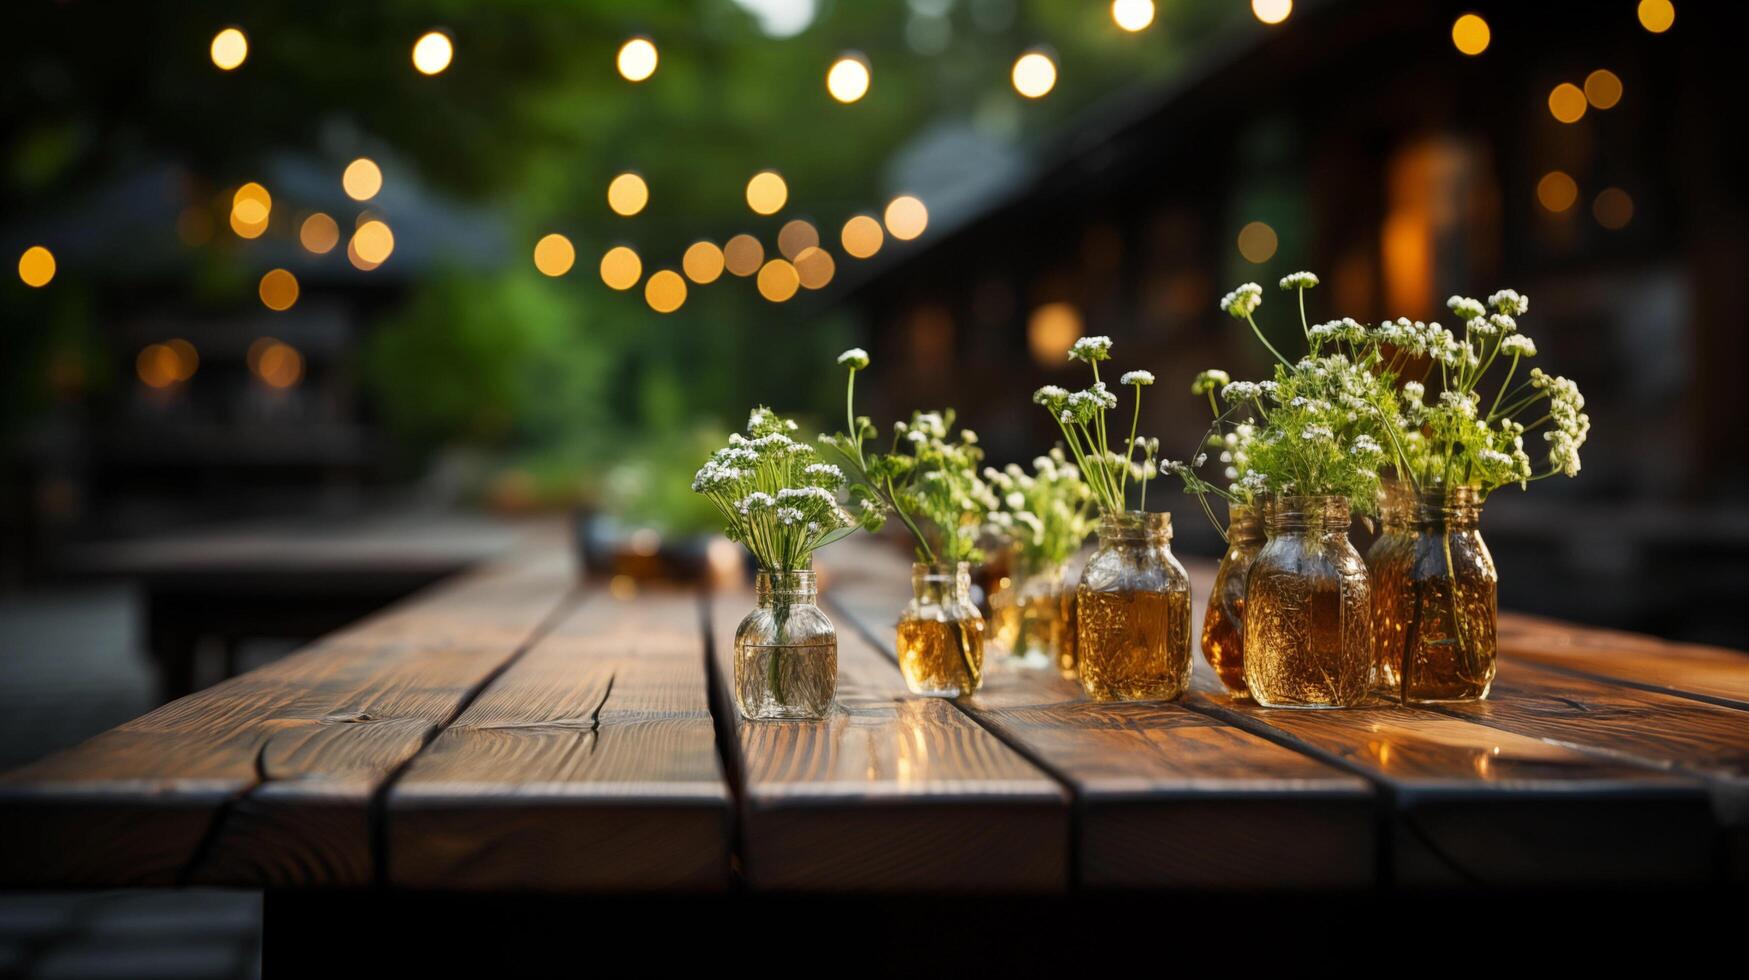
(892, 792)
(590, 764)
(1166, 797)
(267, 779)
(1691, 670)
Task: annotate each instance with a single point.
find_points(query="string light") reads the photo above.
(795, 236)
(621, 268)
(36, 266)
(1603, 88)
(432, 53)
(848, 78)
(1556, 191)
(319, 233)
(277, 364)
(251, 207)
(1657, 15)
(1272, 11)
(158, 366)
(665, 291)
(627, 194)
(778, 280)
(230, 48)
(187, 358)
(1613, 208)
(766, 192)
(703, 262)
(362, 179)
(814, 268)
(1132, 15)
(861, 237)
(743, 255)
(554, 255)
(1471, 34)
(906, 217)
(1035, 74)
(1257, 242)
(373, 241)
(1050, 330)
(637, 59)
(278, 290)
(1567, 103)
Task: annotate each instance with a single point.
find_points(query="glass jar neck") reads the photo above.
(1134, 527)
(1244, 523)
(1396, 503)
(942, 581)
(1453, 508)
(795, 587)
(1297, 515)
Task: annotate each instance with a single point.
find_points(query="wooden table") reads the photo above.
(514, 732)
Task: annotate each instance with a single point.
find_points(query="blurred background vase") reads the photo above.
(1027, 614)
(941, 632)
(1387, 563)
(786, 651)
(1308, 612)
(1223, 624)
(1133, 613)
(1439, 585)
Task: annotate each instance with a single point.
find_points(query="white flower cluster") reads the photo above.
(1044, 514)
(1243, 301)
(1508, 301)
(1136, 378)
(775, 495)
(1518, 345)
(1090, 349)
(855, 358)
(1214, 379)
(1299, 280)
(1571, 424)
(1465, 307)
(1346, 330)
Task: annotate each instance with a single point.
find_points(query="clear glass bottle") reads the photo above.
(1308, 609)
(786, 651)
(1444, 591)
(1223, 623)
(1133, 613)
(941, 632)
(1027, 615)
(1388, 561)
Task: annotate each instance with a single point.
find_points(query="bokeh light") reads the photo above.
(187, 358)
(778, 280)
(362, 179)
(743, 255)
(1657, 16)
(358, 261)
(1567, 103)
(278, 289)
(637, 59)
(1603, 88)
(432, 53)
(906, 217)
(1556, 191)
(251, 207)
(319, 233)
(766, 192)
(1257, 242)
(1035, 74)
(1471, 34)
(158, 366)
(665, 291)
(277, 364)
(230, 48)
(1132, 15)
(1613, 208)
(621, 268)
(703, 262)
(627, 194)
(815, 268)
(796, 235)
(848, 78)
(554, 255)
(862, 236)
(36, 266)
(1272, 11)
(373, 241)
(1050, 330)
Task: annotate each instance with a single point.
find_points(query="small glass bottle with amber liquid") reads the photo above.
(1308, 609)
(1387, 562)
(941, 632)
(1223, 623)
(1444, 592)
(1133, 613)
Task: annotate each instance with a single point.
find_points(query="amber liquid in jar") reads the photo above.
(1443, 593)
(1132, 615)
(1223, 622)
(941, 633)
(1308, 610)
(1387, 564)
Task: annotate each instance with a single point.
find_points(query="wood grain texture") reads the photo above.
(590, 764)
(266, 779)
(892, 792)
(1166, 797)
(1688, 669)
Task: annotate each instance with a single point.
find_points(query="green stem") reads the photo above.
(1259, 332)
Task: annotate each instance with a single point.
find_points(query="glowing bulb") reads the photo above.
(778, 280)
(1035, 74)
(554, 255)
(158, 366)
(627, 194)
(1567, 102)
(1257, 242)
(621, 268)
(1050, 330)
(815, 268)
(703, 262)
(432, 52)
(36, 266)
(795, 236)
(373, 241)
(187, 358)
(861, 236)
(742, 255)
(665, 291)
(362, 179)
(637, 59)
(1613, 208)
(766, 192)
(1272, 11)
(1657, 15)
(1132, 15)
(847, 80)
(1603, 88)
(1556, 191)
(278, 365)
(279, 290)
(230, 47)
(1470, 34)
(319, 233)
(906, 217)
(250, 209)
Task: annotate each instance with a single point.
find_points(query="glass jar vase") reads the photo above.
(1223, 623)
(1027, 615)
(786, 651)
(1443, 591)
(1388, 561)
(1068, 650)
(1133, 613)
(1308, 609)
(941, 632)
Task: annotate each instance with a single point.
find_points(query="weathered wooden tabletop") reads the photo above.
(512, 730)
